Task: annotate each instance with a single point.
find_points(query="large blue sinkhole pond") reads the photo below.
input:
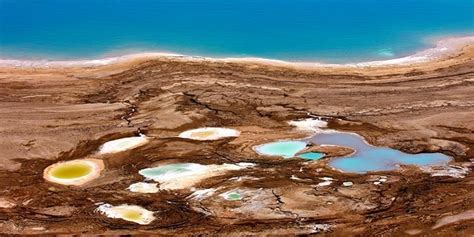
(366, 158)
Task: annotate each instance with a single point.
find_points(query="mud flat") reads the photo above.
(53, 113)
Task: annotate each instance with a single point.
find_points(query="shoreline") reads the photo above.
(442, 48)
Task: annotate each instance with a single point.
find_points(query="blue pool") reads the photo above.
(285, 149)
(371, 158)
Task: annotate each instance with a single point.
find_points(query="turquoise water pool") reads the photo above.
(285, 149)
(369, 158)
(311, 155)
(171, 170)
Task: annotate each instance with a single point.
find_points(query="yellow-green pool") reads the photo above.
(74, 172)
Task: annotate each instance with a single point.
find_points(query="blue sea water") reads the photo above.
(296, 30)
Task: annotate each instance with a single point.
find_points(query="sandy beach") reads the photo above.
(55, 111)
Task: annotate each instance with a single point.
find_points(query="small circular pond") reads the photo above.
(233, 195)
(74, 172)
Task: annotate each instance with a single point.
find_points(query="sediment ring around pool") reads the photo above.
(74, 172)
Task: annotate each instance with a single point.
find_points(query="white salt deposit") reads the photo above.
(122, 144)
(309, 124)
(326, 178)
(347, 184)
(126, 212)
(209, 133)
(142, 187)
(202, 194)
(294, 177)
(185, 175)
(327, 181)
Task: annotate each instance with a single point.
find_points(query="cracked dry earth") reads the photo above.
(49, 115)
